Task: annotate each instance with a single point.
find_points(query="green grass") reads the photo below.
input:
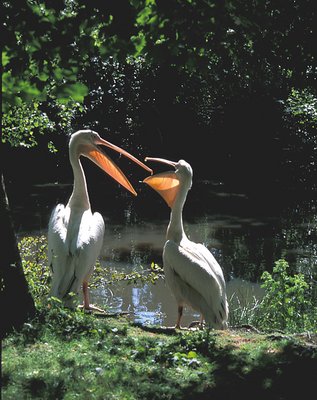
(64, 354)
(104, 360)
(71, 355)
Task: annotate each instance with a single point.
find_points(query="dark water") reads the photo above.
(245, 234)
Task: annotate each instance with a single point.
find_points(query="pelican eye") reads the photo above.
(93, 136)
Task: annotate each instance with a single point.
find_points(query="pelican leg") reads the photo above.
(86, 295)
(179, 317)
(87, 306)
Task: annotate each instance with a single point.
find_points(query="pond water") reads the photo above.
(245, 235)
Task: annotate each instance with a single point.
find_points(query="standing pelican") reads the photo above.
(191, 271)
(75, 234)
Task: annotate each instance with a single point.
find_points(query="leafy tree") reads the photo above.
(235, 44)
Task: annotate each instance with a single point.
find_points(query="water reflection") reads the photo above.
(246, 237)
(146, 304)
(154, 304)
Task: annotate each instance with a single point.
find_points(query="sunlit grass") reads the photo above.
(64, 354)
(99, 358)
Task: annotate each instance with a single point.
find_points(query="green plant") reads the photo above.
(287, 304)
(33, 250)
(149, 275)
(243, 312)
(302, 104)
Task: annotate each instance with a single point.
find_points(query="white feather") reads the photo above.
(196, 279)
(75, 240)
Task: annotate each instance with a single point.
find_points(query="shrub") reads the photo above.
(33, 252)
(287, 304)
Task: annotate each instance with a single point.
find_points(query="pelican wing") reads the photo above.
(193, 267)
(75, 240)
(200, 252)
(57, 250)
(196, 267)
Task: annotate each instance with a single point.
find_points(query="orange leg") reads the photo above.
(86, 295)
(87, 305)
(179, 317)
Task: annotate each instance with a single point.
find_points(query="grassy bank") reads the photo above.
(64, 354)
(71, 355)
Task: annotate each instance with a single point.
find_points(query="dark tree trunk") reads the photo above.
(17, 304)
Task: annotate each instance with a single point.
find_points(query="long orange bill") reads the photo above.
(161, 160)
(107, 165)
(166, 184)
(125, 153)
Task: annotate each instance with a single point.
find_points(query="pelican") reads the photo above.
(75, 233)
(192, 273)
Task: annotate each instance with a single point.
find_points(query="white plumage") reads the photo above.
(191, 271)
(75, 234)
(75, 240)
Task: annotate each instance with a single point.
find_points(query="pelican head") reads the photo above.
(168, 184)
(86, 143)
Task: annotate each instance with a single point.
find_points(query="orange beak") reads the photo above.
(166, 184)
(107, 165)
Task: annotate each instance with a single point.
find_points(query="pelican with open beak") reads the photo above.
(192, 273)
(75, 234)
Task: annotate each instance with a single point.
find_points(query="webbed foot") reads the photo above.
(92, 308)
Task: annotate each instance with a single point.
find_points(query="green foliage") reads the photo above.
(300, 120)
(33, 54)
(203, 55)
(65, 322)
(150, 275)
(33, 252)
(74, 91)
(50, 43)
(287, 304)
(303, 105)
(21, 125)
(24, 125)
(52, 316)
(141, 275)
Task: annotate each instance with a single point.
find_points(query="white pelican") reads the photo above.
(75, 234)
(191, 271)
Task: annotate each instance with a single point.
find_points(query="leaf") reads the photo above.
(192, 354)
(69, 92)
(139, 43)
(5, 59)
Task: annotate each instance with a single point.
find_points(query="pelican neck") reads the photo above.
(79, 196)
(175, 229)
